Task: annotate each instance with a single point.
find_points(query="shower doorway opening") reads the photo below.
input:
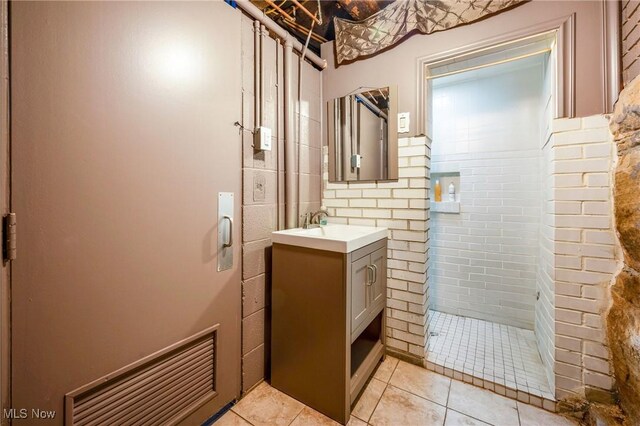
(491, 317)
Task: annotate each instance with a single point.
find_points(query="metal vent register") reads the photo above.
(162, 388)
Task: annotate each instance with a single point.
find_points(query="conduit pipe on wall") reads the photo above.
(258, 15)
(257, 77)
(291, 214)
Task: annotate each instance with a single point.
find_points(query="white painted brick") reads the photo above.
(608, 266)
(569, 262)
(361, 202)
(598, 179)
(362, 222)
(568, 153)
(599, 237)
(568, 180)
(595, 121)
(410, 214)
(570, 235)
(349, 212)
(565, 124)
(410, 193)
(348, 193)
(585, 222)
(393, 203)
(581, 137)
(568, 207)
(601, 150)
(581, 194)
(598, 208)
(377, 213)
(376, 193)
(575, 166)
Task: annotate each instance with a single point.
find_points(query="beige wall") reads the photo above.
(263, 185)
(397, 66)
(630, 34)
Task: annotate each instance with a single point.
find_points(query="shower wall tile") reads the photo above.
(484, 259)
(402, 207)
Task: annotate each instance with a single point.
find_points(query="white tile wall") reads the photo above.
(402, 207)
(487, 126)
(483, 260)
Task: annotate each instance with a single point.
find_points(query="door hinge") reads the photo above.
(9, 234)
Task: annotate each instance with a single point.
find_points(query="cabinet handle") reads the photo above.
(370, 269)
(375, 273)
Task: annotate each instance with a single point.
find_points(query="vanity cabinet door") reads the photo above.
(359, 291)
(379, 263)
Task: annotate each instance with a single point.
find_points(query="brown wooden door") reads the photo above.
(122, 136)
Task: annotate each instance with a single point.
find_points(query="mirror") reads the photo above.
(363, 136)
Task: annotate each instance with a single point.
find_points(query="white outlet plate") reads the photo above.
(403, 122)
(262, 139)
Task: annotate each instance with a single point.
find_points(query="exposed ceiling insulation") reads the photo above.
(291, 15)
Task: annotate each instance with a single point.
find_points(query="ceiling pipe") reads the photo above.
(257, 14)
(306, 11)
(279, 9)
(290, 189)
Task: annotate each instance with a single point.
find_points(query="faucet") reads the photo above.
(312, 219)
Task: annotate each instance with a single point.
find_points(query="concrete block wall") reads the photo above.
(263, 186)
(586, 253)
(403, 208)
(630, 33)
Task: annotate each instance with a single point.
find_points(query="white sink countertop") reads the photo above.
(338, 238)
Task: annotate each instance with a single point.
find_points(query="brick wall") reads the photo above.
(263, 186)
(586, 253)
(403, 208)
(630, 33)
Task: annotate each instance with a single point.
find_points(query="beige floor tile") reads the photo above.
(421, 382)
(398, 407)
(534, 416)
(369, 399)
(231, 419)
(458, 419)
(354, 421)
(267, 406)
(310, 417)
(482, 404)
(385, 369)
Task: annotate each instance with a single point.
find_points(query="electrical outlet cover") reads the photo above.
(403, 122)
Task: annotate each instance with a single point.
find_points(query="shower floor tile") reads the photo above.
(499, 357)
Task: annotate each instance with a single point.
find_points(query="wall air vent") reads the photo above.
(162, 388)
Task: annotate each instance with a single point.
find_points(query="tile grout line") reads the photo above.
(299, 412)
(386, 385)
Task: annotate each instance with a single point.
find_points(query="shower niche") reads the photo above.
(449, 203)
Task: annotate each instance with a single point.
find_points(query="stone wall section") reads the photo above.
(623, 322)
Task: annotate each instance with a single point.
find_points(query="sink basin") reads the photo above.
(339, 238)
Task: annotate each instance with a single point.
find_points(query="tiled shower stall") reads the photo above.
(509, 292)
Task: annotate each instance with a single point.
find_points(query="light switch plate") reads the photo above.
(262, 138)
(403, 122)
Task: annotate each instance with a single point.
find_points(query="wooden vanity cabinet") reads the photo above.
(327, 323)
